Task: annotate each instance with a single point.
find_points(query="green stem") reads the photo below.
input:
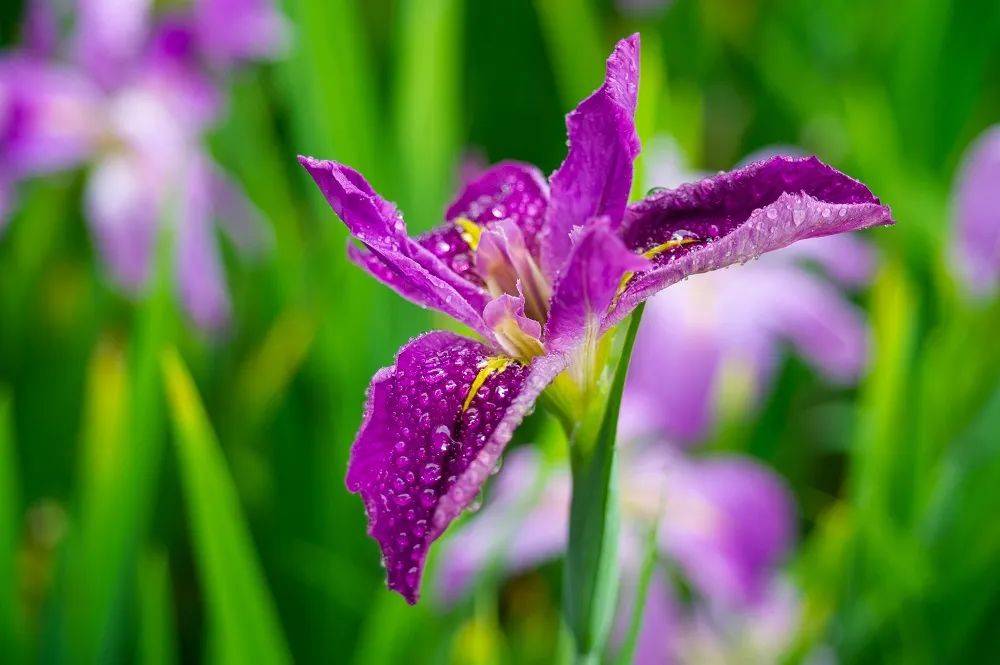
(590, 585)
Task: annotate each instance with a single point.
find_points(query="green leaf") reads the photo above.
(157, 642)
(10, 517)
(590, 584)
(243, 623)
(649, 559)
(122, 451)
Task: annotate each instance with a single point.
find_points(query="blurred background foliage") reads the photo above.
(167, 495)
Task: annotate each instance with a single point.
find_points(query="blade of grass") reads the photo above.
(627, 652)
(243, 623)
(122, 447)
(428, 72)
(157, 644)
(571, 29)
(10, 516)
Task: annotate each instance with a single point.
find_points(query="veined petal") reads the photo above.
(976, 248)
(422, 455)
(737, 216)
(596, 176)
(588, 284)
(409, 268)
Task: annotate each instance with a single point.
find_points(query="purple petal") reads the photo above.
(197, 264)
(523, 524)
(728, 522)
(420, 457)
(596, 176)
(976, 246)
(506, 191)
(409, 268)
(672, 378)
(231, 31)
(737, 216)
(49, 117)
(237, 216)
(40, 30)
(110, 36)
(122, 211)
(588, 285)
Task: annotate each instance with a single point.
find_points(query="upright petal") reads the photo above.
(976, 245)
(506, 191)
(392, 256)
(596, 176)
(587, 286)
(737, 216)
(428, 442)
(110, 36)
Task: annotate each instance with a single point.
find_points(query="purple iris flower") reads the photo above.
(976, 249)
(541, 270)
(133, 107)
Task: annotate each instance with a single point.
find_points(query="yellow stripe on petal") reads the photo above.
(471, 232)
(488, 368)
(651, 254)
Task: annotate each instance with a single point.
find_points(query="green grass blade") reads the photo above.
(157, 644)
(10, 517)
(243, 623)
(428, 74)
(652, 547)
(571, 28)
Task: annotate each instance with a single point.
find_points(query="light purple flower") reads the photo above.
(976, 239)
(134, 111)
(576, 260)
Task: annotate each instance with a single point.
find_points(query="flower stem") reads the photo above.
(590, 584)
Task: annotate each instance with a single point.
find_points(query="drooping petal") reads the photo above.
(49, 117)
(728, 522)
(122, 210)
(737, 216)
(409, 268)
(596, 176)
(197, 265)
(588, 285)
(426, 446)
(976, 246)
(523, 524)
(232, 31)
